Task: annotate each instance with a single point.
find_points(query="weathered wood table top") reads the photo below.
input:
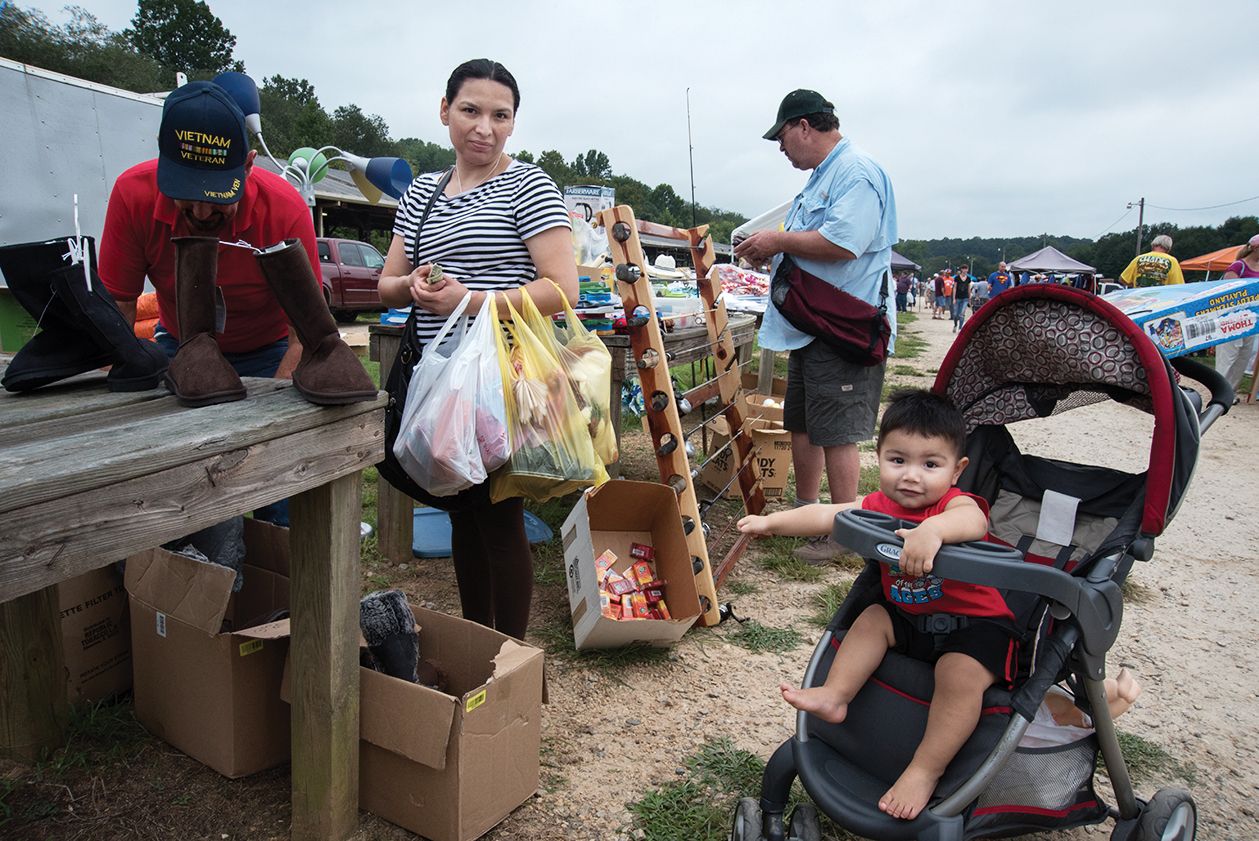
(88, 477)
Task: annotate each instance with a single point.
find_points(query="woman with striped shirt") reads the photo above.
(498, 226)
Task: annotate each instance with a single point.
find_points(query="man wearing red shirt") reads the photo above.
(142, 217)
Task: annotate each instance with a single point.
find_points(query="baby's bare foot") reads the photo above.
(1127, 689)
(818, 701)
(909, 794)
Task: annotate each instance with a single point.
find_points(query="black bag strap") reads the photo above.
(428, 208)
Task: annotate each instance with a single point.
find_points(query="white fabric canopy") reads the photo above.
(1050, 259)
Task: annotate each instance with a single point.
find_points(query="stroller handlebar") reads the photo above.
(1222, 392)
(873, 535)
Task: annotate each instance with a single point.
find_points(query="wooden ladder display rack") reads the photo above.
(663, 420)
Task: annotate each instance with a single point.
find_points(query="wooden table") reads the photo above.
(394, 509)
(88, 477)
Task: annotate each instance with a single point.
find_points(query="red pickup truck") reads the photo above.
(350, 272)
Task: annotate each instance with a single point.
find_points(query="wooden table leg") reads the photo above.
(33, 707)
(324, 593)
(394, 509)
(614, 404)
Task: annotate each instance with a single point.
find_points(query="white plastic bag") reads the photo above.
(437, 441)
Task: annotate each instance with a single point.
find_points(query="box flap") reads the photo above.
(270, 631)
(192, 592)
(511, 656)
(405, 718)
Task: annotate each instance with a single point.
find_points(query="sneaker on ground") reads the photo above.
(817, 551)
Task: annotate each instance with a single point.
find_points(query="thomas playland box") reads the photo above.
(1189, 317)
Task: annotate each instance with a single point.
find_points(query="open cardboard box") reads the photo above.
(613, 516)
(772, 463)
(755, 402)
(95, 635)
(451, 765)
(207, 671)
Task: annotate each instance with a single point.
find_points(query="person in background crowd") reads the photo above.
(903, 282)
(1156, 267)
(940, 299)
(841, 229)
(499, 225)
(1233, 358)
(978, 293)
(961, 295)
(1000, 280)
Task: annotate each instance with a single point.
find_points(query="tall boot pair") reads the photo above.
(328, 373)
(81, 327)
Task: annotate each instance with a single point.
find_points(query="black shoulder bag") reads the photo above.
(409, 352)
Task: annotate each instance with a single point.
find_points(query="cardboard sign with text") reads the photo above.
(771, 459)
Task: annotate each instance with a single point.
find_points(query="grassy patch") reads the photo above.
(739, 587)
(776, 557)
(909, 345)
(907, 371)
(756, 637)
(906, 318)
(556, 638)
(868, 481)
(827, 601)
(1135, 592)
(700, 807)
(1147, 761)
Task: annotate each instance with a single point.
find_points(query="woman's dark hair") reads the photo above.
(482, 68)
(921, 412)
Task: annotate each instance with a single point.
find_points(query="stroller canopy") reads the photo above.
(1040, 350)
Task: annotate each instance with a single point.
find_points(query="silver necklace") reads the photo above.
(493, 172)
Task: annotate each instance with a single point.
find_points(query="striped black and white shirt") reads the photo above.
(478, 237)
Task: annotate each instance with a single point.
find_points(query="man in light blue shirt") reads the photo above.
(841, 228)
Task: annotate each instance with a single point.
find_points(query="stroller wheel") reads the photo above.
(1169, 816)
(804, 825)
(747, 821)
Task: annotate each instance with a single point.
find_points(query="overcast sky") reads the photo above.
(992, 119)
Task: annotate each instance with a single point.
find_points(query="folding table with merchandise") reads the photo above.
(88, 477)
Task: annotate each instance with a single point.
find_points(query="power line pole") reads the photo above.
(690, 154)
(1140, 222)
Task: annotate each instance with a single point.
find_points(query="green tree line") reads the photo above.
(1109, 255)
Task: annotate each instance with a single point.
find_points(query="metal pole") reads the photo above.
(1140, 223)
(690, 154)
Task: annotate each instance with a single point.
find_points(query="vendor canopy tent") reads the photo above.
(772, 220)
(1216, 261)
(1050, 259)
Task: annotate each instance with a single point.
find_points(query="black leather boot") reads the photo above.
(81, 326)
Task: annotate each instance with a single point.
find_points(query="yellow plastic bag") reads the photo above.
(552, 454)
(588, 364)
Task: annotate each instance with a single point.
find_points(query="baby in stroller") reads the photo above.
(920, 446)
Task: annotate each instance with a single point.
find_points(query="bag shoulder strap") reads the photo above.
(428, 208)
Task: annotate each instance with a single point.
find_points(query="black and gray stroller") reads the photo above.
(1032, 352)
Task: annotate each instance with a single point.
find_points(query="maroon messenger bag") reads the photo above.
(858, 331)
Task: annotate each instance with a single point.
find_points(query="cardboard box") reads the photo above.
(756, 407)
(451, 766)
(207, 674)
(1188, 317)
(96, 635)
(772, 462)
(613, 516)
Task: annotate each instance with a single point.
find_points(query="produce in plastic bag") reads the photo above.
(551, 451)
(455, 417)
(588, 364)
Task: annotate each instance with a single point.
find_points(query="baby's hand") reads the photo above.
(754, 524)
(919, 554)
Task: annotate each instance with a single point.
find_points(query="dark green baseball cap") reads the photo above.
(797, 104)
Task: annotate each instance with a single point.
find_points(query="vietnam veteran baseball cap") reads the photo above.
(202, 145)
(797, 104)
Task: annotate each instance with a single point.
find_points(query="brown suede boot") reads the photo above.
(199, 375)
(329, 373)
